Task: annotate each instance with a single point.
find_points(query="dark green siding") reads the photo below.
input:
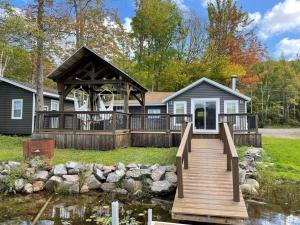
(8, 125)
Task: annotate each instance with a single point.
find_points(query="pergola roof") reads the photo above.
(85, 63)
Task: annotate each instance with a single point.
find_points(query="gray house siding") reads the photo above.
(69, 105)
(138, 109)
(23, 126)
(205, 90)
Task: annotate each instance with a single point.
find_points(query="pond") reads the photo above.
(281, 205)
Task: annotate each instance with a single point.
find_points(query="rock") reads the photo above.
(254, 184)
(132, 185)
(70, 187)
(13, 164)
(121, 166)
(108, 187)
(28, 189)
(5, 172)
(29, 173)
(108, 169)
(149, 181)
(38, 186)
(153, 167)
(53, 183)
(99, 175)
(159, 187)
(158, 173)
(171, 177)
(170, 168)
(115, 176)
(243, 165)
(60, 170)
(41, 175)
(74, 167)
(145, 166)
(92, 182)
(132, 166)
(120, 191)
(134, 173)
(242, 176)
(19, 184)
(84, 189)
(71, 178)
(98, 166)
(247, 189)
(34, 162)
(146, 172)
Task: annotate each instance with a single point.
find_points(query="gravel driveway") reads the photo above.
(292, 133)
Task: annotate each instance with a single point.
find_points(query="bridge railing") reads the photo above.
(182, 155)
(241, 122)
(232, 158)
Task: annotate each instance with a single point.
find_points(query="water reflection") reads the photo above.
(281, 206)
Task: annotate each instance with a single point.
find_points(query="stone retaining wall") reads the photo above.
(75, 177)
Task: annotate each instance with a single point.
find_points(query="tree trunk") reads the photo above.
(39, 58)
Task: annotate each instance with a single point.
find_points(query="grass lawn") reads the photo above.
(11, 149)
(285, 154)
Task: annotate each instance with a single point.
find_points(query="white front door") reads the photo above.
(205, 113)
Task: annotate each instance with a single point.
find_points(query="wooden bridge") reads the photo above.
(208, 180)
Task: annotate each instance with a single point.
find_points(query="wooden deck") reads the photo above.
(207, 187)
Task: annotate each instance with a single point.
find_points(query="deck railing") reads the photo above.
(183, 154)
(232, 158)
(91, 121)
(241, 122)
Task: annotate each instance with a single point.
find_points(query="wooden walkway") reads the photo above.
(208, 187)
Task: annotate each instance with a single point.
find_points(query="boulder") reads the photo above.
(53, 182)
(115, 176)
(171, 177)
(38, 186)
(45, 222)
(132, 166)
(158, 173)
(120, 191)
(19, 184)
(74, 167)
(108, 187)
(70, 187)
(134, 173)
(146, 172)
(71, 178)
(29, 173)
(84, 189)
(60, 170)
(159, 187)
(42, 175)
(132, 185)
(108, 169)
(121, 166)
(153, 167)
(253, 183)
(28, 189)
(242, 176)
(98, 166)
(92, 182)
(99, 174)
(171, 168)
(13, 164)
(247, 189)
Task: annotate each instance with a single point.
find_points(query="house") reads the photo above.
(205, 100)
(17, 106)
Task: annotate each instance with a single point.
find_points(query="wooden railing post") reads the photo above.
(114, 121)
(186, 156)
(256, 123)
(235, 179)
(190, 140)
(183, 126)
(179, 177)
(74, 122)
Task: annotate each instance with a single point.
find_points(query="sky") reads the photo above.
(277, 22)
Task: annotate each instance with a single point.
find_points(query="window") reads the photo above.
(17, 109)
(179, 108)
(153, 111)
(231, 106)
(54, 105)
(46, 108)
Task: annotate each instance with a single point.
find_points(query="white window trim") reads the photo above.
(52, 103)
(231, 101)
(204, 131)
(12, 109)
(46, 107)
(174, 111)
(158, 111)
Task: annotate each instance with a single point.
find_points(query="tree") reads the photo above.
(155, 26)
(230, 35)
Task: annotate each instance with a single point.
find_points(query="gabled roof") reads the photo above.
(85, 53)
(213, 83)
(151, 99)
(30, 87)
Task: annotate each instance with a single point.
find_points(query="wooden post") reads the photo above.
(126, 98)
(183, 126)
(61, 88)
(235, 179)
(179, 177)
(186, 156)
(190, 140)
(74, 122)
(256, 123)
(228, 160)
(143, 112)
(115, 213)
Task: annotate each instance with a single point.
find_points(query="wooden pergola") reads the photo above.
(88, 70)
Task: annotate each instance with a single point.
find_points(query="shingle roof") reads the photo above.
(151, 98)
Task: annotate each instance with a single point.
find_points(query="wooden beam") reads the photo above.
(91, 82)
